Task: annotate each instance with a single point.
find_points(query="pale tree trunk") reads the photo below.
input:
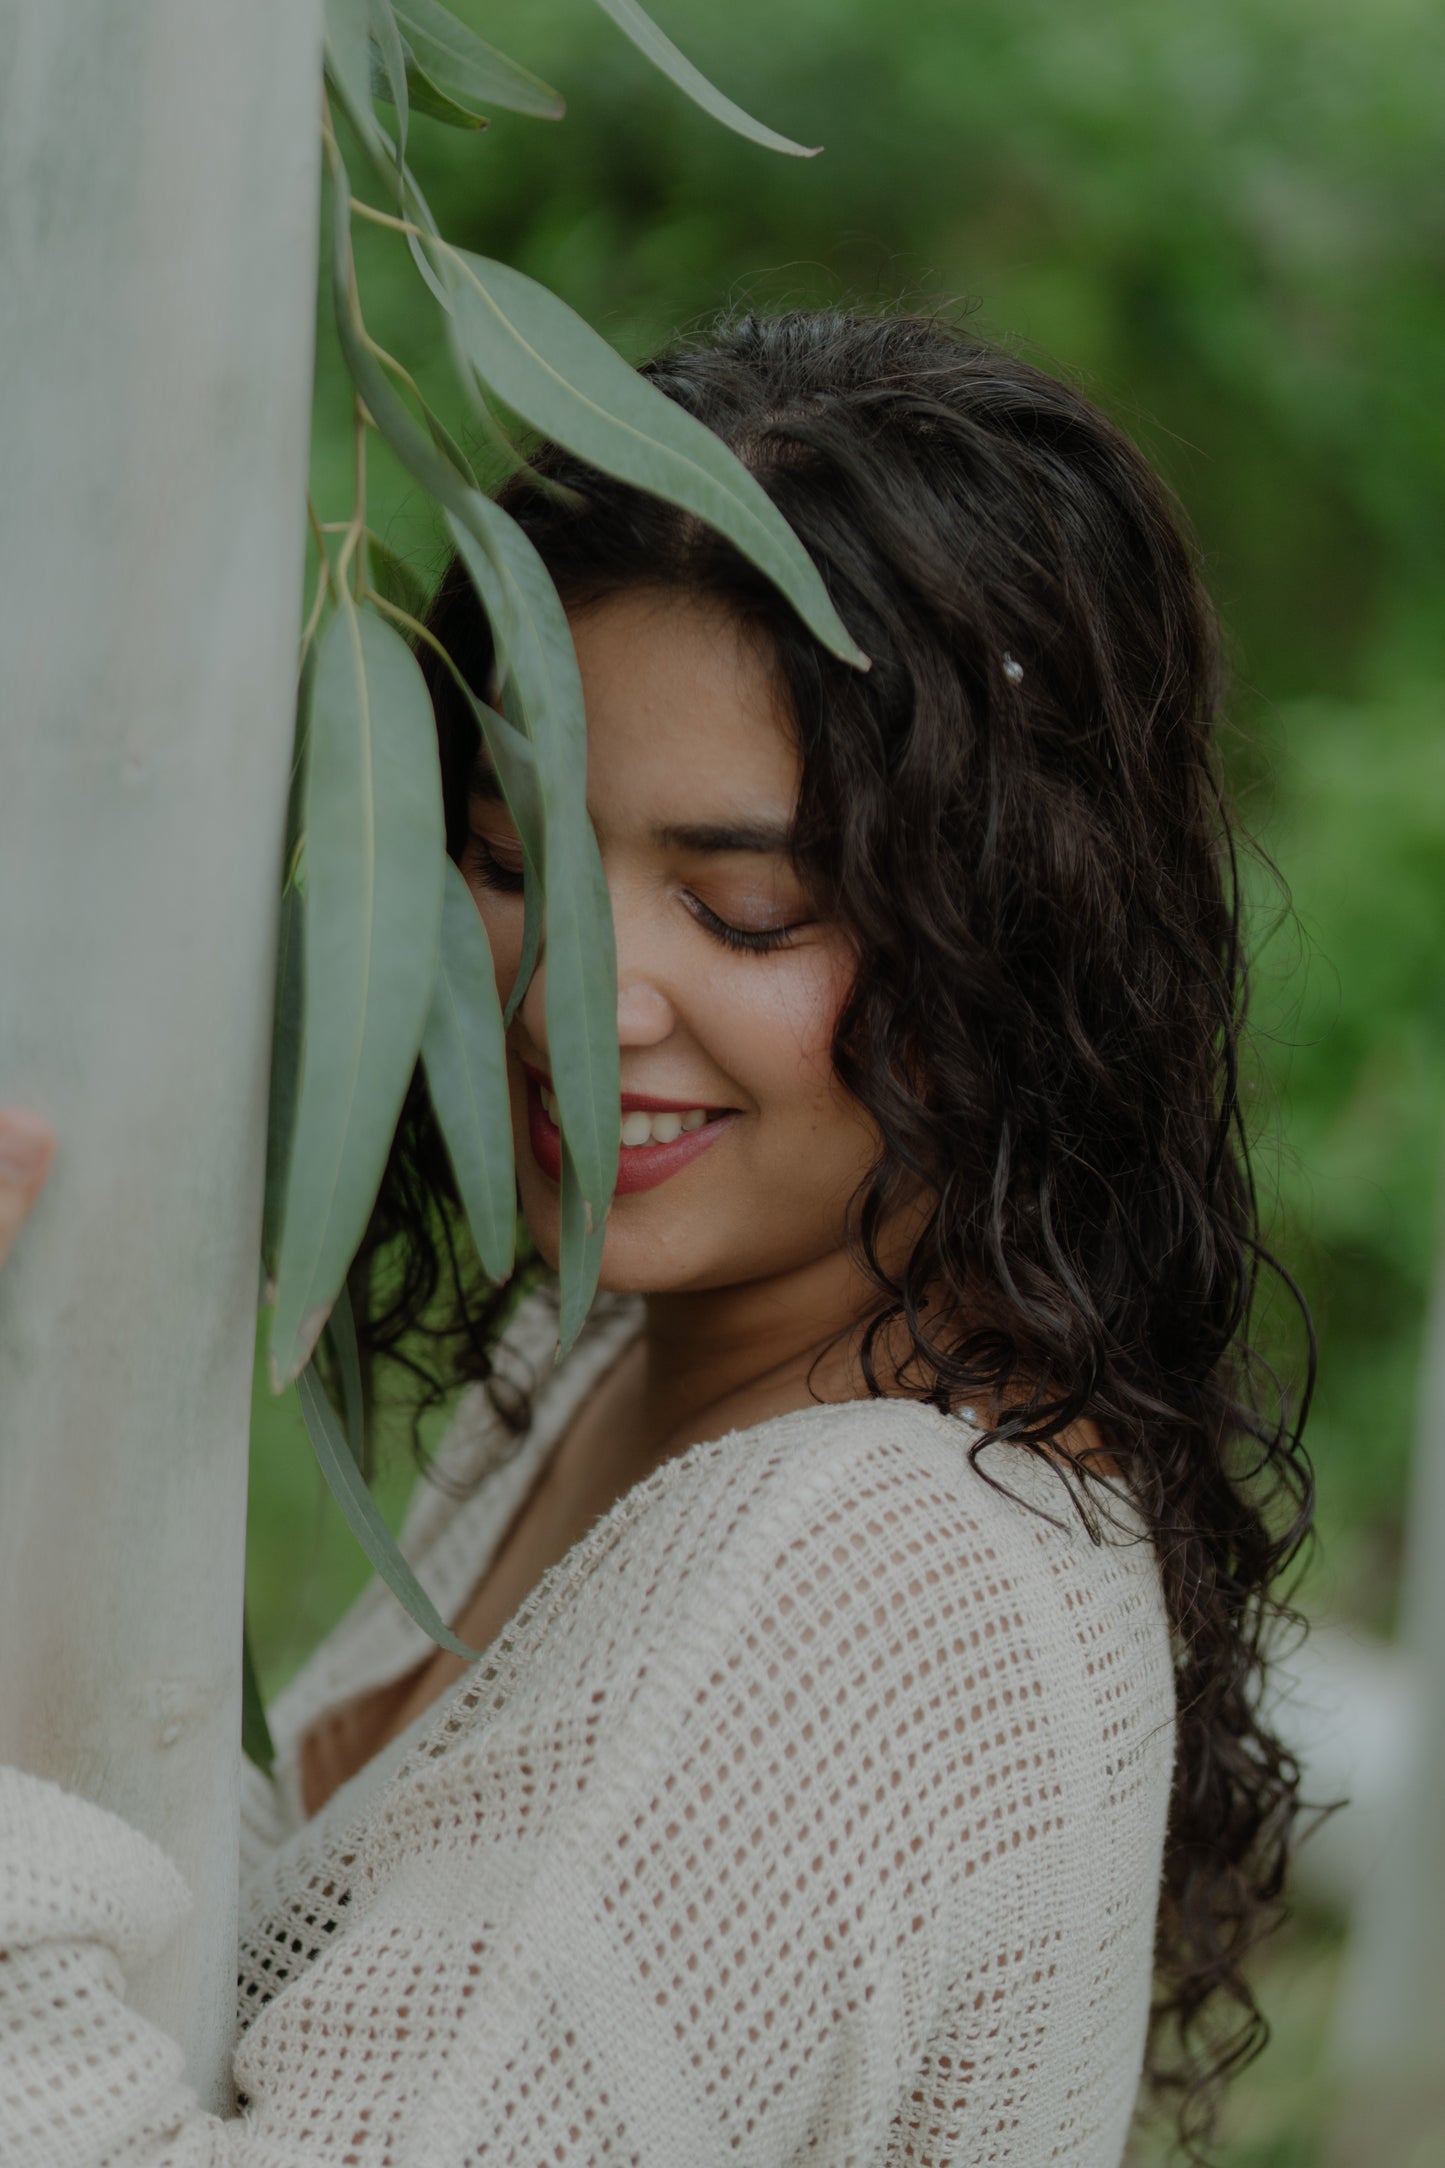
(1390, 2022)
(158, 219)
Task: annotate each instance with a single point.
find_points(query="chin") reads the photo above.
(644, 1262)
(633, 1266)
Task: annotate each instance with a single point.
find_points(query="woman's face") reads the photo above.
(729, 980)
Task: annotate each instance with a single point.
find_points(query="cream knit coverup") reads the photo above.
(811, 1810)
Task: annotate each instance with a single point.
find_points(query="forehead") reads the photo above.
(685, 719)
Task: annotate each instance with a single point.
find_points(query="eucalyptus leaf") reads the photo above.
(581, 963)
(531, 935)
(357, 72)
(391, 54)
(348, 57)
(296, 788)
(644, 33)
(374, 852)
(429, 98)
(556, 372)
(466, 68)
(514, 759)
(447, 444)
(429, 464)
(424, 96)
(582, 1237)
(346, 1353)
(530, 628)
(286, 1032)
(439, 433)
(515, 762)
(286, 1016)
(466, 1071)
(438, 465)
(344, 1480)
(394, 579)
(256, 1741)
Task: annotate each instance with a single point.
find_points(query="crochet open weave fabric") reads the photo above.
(811, 1810)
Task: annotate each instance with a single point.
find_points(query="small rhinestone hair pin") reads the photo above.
(1012, 670)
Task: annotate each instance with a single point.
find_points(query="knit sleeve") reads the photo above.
(692, 1890)
(84, 1900)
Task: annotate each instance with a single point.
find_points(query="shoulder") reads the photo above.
(861, 1542)
(833, 1620)
(831, 1488)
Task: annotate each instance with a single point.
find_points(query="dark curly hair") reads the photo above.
(1018, 816)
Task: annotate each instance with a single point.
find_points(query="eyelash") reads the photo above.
(490, 871)
(734, 937)
(494, 875)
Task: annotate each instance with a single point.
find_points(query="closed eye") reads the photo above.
(757, 942)
(488, 869)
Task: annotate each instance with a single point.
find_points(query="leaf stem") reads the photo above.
(323, 584)
(356, 526)
(369, 212)
(389, 361)
(417, 629)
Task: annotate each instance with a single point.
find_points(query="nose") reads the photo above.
(645, 1012)
(645, 1016)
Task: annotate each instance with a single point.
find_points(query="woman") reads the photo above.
(872, 1603)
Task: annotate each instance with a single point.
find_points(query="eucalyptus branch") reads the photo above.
(356, 525)
(416, 628)
(495, 434)
(323, 583)
(373, 217)
(421, 632)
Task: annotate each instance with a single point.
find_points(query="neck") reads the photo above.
(746, 1351)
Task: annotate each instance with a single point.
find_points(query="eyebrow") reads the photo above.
(705, 839)
(702, 839)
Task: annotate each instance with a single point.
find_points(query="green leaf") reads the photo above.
(513, 584)
(424, 96)
(286, 1018)
(256, 1741)
(363, 52)
(515, 762)
(582, 1237)
(427, 97)
(391, 54)
(348, 71)
(558, 374)
(286, 1032)
(644, 33)
(362, 1517)
(531, 631)
(438, 466)
(374, 853)
(468, 70)
(466, 1071)
(341, 1338)
(394, 579)
(531, 935)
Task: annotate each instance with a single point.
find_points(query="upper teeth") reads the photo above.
(640, 1127)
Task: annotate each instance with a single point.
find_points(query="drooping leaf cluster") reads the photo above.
(383, 959)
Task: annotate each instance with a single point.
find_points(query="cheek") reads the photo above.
(502, 918)
(774, 1032)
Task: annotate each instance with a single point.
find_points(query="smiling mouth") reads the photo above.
(648, 1125)
(656, 1143)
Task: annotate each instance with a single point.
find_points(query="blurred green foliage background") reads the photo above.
(1227, 224)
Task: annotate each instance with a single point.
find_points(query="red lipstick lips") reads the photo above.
(639, 1166)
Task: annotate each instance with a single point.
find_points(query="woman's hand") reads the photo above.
(27, 1146)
